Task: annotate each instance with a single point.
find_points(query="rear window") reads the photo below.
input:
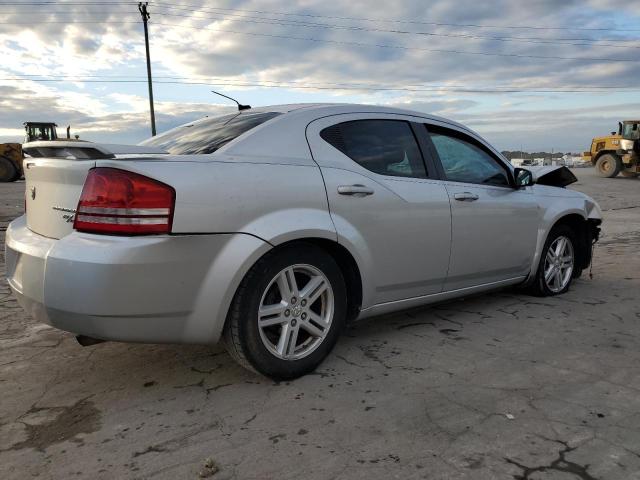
(208, 135)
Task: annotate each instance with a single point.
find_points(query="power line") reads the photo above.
(319, 87)
(305, 24)
(79, 77)
(110, 22)
(287, 23)
(297, 23)
(332, 17)
(399, 47)
(107, 3)
(294, 23)
(380, 20)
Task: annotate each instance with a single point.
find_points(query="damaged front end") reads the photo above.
(553, 176)
(592, 232)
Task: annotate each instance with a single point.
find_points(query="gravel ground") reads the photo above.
(498, 386)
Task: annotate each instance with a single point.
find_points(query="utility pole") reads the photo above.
(142, 7)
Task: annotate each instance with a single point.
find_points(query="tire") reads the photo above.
(629, 174)
(608, 165)
(280, 344)
(8, 171)
(558, 283)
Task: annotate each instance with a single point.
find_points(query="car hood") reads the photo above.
(553, 175)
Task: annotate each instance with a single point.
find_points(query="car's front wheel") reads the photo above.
(287, 313)
(557, 265)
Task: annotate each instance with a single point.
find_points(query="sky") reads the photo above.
(537, 75)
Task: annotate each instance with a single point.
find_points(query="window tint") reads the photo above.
(463, 161)
(387, 147)
(209, 134)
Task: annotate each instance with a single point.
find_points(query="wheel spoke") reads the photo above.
(548, 275)
(287, 341)
(567, 261)
(557, 280)
(560, 245)
(272, 314)
(314, 325)
(550, 256)
(293, 339)
(313, 289)
(287, 284)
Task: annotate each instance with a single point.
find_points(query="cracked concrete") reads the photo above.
(498, 386)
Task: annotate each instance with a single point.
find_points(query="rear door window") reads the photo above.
(386, 147)
(209, 134)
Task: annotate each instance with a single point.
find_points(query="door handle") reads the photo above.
(466, 197)
(355, 190)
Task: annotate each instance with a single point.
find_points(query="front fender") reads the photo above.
(555, 209)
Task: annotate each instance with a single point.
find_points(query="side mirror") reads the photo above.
(523, 178)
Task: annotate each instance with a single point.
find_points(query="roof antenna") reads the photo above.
(240, 106)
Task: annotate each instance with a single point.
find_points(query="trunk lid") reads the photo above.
(55, 172)
(53, 188)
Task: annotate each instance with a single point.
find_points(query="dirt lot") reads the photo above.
(500, 386)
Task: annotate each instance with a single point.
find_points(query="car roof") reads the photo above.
(286, 133)
(327, 108)
(312, 111)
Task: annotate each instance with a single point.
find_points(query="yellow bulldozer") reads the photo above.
(10, 162)
(11, 154)
(618, 152)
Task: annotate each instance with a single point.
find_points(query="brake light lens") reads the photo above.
(120, 202)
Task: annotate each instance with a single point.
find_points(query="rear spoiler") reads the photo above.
(84, 150)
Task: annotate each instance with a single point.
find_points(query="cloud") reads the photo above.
(128, 126)
(232, 44)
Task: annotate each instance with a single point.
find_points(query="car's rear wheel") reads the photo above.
(287, 313)
(557, 266)
(608, 165)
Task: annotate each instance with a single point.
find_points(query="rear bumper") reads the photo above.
(157, 289)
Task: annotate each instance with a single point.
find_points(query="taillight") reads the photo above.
(120, 202)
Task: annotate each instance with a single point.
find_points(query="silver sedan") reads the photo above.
(271, 228)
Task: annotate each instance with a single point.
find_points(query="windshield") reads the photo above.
(209, 134)
(631, 131)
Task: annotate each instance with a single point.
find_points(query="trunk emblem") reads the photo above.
(33, 193)
(69, 216)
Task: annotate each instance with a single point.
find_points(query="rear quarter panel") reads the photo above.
(264, 204)
(274, 202)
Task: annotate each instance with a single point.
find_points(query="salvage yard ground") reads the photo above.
(497, 386)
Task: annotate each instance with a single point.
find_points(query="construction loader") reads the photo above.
(10, 162)
(618, 152)
(11, 154)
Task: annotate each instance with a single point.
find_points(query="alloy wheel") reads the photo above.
(558, 264)
(295, 312)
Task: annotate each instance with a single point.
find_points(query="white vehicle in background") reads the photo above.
(271, 228)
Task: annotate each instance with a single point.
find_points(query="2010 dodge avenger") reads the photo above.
(271, 228)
